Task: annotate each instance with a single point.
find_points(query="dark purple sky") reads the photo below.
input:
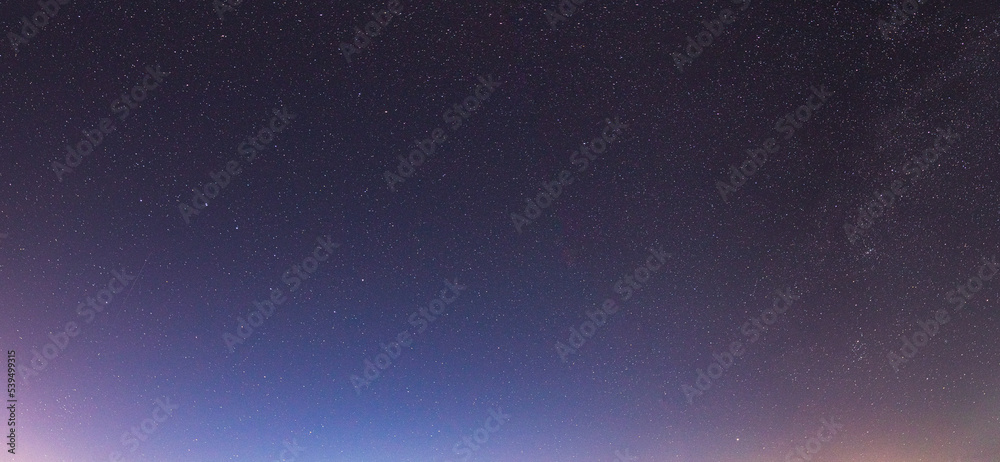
(657, 231)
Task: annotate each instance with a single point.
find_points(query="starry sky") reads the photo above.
(498, 231)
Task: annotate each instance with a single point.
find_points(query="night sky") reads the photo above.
(501, 231)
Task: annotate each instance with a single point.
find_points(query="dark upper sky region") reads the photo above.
(501, 231)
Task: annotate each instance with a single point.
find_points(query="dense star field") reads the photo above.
(500, 231)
